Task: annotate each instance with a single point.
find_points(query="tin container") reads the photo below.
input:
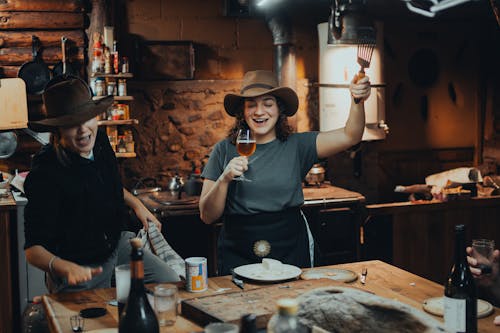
(196, 274)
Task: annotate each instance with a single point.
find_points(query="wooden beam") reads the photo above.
(42, 5)
(47, 38)
(40, 20)
(50, 55)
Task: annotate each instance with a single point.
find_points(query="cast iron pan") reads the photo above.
(64, 67)
(35, 73)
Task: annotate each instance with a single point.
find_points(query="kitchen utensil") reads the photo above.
(145, 185)
(365, 51)
(35, 73)
(175, 185)
(8, 144)
(64, 66)
(13, 104)
(237, 281)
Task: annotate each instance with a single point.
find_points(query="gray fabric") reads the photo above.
(155, 269)
(276, 169)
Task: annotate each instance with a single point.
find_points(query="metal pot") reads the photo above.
(316, 175)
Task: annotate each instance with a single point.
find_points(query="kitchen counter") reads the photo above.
(166, 204)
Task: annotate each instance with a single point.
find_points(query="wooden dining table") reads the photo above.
(382, 279)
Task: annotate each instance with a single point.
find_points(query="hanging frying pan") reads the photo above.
(64, 67)
(35, 73)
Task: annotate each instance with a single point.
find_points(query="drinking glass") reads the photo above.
(122, 282)
(245, 145)
(165, 304)
(482, 251)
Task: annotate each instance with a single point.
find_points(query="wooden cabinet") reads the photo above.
(335, 229)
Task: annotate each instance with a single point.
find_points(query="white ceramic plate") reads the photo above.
(258, 273)
(104, 330)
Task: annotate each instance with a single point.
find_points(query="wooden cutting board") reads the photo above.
(13, 104)
(261, 302)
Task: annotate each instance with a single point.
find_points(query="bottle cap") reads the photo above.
(288, 306)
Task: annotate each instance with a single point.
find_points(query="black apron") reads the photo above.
(246, 239)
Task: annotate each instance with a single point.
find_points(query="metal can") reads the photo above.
(196, 274)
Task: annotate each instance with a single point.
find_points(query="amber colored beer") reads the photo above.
(246, 147)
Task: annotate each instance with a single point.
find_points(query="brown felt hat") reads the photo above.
(68, 102)
(258, 83)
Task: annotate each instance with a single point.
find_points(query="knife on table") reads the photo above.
(237, 281)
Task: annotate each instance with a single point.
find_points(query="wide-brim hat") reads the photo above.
(258, 83)
(68, 102)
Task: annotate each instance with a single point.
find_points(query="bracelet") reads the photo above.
(51, 262)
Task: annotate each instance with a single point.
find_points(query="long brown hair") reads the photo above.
(283, 129)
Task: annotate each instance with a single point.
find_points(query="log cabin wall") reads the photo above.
(49, 20)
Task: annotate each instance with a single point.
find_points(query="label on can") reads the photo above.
(196, 274)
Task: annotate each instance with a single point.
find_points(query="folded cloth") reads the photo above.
(153, 240)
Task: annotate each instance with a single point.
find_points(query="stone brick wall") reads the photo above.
(180, 121)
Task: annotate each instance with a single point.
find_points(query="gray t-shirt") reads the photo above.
(276, 169)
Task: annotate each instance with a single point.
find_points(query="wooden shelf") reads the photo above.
(125, 155)
(117, 76)
(116, 98)
(118, 122)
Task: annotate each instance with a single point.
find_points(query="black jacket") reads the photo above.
(75, 211)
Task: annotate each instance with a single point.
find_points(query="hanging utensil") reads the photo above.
(64, 66)
(35, 73)
(365, 51)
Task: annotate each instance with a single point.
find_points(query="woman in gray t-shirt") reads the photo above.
(262, 216)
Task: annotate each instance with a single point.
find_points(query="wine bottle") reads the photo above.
(460, 295)
(138, 316)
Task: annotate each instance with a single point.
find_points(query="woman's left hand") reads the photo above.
(360, 89)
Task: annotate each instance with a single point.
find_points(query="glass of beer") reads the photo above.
(245, 145)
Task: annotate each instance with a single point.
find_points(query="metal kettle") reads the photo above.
(176, 184)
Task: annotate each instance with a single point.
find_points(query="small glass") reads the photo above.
(245, 145)
(165, 304)
(221, 328)
(122, 282)
(482, 251)
(77, 323)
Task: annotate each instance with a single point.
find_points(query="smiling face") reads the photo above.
(80, 138)
(261, 114)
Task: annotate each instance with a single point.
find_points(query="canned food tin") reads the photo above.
(196, 274)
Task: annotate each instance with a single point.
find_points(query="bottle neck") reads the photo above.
(460, 255)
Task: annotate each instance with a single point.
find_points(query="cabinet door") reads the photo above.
(335, 234)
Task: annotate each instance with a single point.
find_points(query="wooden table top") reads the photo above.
(383, 279)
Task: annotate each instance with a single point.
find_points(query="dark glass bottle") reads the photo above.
(248, 323)
(460, 295)
(138, 316)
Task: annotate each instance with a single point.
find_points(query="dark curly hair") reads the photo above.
(283, 130)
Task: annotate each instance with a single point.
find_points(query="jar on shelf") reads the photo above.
(111, 87)
(100, 87)
(122, 87)
(125, 66)
(121, 146)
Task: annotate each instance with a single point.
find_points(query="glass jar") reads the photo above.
(122, 87)
(111, 87)
(99, 87)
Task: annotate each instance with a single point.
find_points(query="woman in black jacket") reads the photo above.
(74, 219)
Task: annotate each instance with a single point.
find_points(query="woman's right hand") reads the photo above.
(483, 280)
(236, 167)
(74, 273)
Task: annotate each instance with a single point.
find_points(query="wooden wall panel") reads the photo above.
(9, 39)
(42, 5)
(40, 20)
(50, 55)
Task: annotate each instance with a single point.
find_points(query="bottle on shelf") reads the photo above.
(460, 295)
(248, 323)
(97, 62)
(285, 319)
(116, 58)
(138, 315)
